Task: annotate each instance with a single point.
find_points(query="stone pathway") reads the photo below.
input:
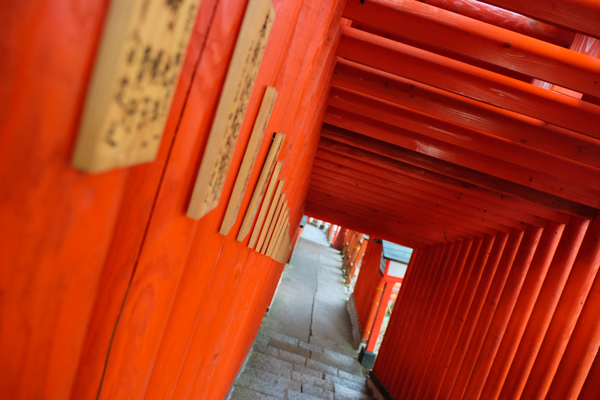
(303, 350)
(282, 367)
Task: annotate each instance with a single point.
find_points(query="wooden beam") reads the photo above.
(470, 174)
(507, 20)
(441, 51)
(391, 193)
(397, 207)
(575, 15)
(483, 41)
(473, 82)
(340, 217)
(463, 110)
(464, 146)
(430, 172)
(440, 193)
(404, 224)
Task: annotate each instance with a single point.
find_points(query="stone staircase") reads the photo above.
(282, 367)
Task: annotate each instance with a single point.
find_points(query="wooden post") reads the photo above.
(385, 299)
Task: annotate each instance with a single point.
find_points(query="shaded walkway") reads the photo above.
(310, 304)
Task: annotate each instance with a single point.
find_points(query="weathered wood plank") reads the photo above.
(266, 214)
(267, 231)
(270, 244)
(229, 117)
(272, 250)
(264, 207)
(130, 94)
(256, 138)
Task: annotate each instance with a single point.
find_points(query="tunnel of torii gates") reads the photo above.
(466, 131)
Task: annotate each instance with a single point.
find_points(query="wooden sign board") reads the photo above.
(239, 83)
(256, 138)
(136, 72)
(265, 205)
(270, 166)
(260, 231)
(275, 223)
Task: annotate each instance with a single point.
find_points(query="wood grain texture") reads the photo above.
(238, 87)
(272, 251)
(267, 232)
(133, 83)
(261, 185)
(265, 205)
(261, 229)
(270, 244)
(256, 138)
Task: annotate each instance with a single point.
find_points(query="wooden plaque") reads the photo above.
(136, 72)
(229, 117)
(260, 231)
(265, 205)
(275, 224)
(269, 167)
(256, 138)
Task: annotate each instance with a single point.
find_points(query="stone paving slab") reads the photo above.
(308, 371)
(347, 393)
(353, 368)
(311, 380)
(300, 396)
(240, 393)
(289, 347)
(270, 364)
(271, 351)
(311, 347)
(346, 383)
(267, 383)
(291, 357)
(352, 377)
(319, 366)
(317, 392)
(261, 339)
(279, 336)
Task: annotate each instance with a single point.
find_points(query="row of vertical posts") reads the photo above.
(353, 252)
(499, 317)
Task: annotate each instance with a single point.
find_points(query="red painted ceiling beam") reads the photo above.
(576, 15)
(442, 51)
(473, 82)
(378, 152)
(417, 226)
(507, 20)
(398, 210)
(483, 41)
(342, 218)
(560, 177)
(406, 203)
(443, 104)
(401, 224)
(478, 168)
(456, 202)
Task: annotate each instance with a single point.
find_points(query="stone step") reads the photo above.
(281, 367)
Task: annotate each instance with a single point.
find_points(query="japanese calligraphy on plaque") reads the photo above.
(231, 110)
(136, 72)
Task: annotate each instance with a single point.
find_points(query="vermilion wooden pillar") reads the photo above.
(519, 317)
(565, 317)
(339, 240)
(386, 364)
(376, 329)
(447, 308)
(440, 311)
(366, 334)
(388, 345)
(477, 323)
(545, 305)
(355, 260)
(411, 345)
(492, 244)
(502, 312)
(414, 313)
